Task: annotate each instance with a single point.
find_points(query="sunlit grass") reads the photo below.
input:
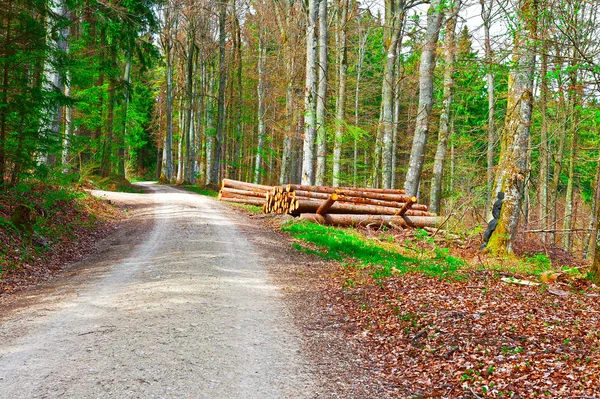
(339, 244)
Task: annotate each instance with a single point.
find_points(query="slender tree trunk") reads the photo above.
(321, 138)
(262, 58)
(544, 145)
(362, 40)
(106, 166)
(417, 155)
(126, 98)
(167, 159)
(591, 242)
(340, 123)
(568, 218)
(210, 127)
(189, 94)
(440, 154)
(486, 14)
(216, 167)
(387, 92)
(310, 94)
(513, 167)
(5, 89)
(558, 158)
(595, 270)
(574, 122)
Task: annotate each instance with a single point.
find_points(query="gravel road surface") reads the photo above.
(176, 304)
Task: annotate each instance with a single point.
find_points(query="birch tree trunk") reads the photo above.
(415, 165)
(442, 146)
(513, 166)
(322, 96)
(340, 105)
(262, 56)
(310, 94)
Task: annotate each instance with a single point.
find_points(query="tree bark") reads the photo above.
(444, 132)
(415, 166)
(310, 94)
(321, 135)
(486, 14)
(340, 126)
(167, 170)
(260, 92)
(513, 167)
(372, 220)
(217, 150)
(395, 20)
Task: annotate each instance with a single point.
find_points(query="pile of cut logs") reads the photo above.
(343, 206)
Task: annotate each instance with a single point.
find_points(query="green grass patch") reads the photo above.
(113, 183)
(200, 190)
(248, 208)
(339, 244)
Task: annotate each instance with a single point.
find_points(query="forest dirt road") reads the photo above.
(177, 304)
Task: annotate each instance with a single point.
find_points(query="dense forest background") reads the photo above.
(452, 101)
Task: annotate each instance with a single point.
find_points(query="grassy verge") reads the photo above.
(200, 190)
(112, 183)
(338, 244)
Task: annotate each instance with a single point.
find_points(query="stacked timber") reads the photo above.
(344, 206)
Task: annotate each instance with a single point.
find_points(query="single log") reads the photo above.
(226, 191)
(327, 204)
(351, 193)
(240, 185)
(307, 205)
(247, 201)
(292, 187)
(392, 204)
(407, 205)
(223, 195)
(373, 220)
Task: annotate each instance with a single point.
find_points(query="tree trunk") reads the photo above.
(310, 94)
(513, 167)
(544, 145)
(486, 14)
(189, 99)
(167, 158)
(440, 154)
(415, 166)
(574, 122)
(262, 59)
(321, 138)
(362, 40)
(126, 98)
(216, 167)
(395, 20)
(595, 270)
(340, 125)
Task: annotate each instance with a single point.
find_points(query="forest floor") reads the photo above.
(64, 225)
(468, 333)
(177, 302)
(346, 329)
